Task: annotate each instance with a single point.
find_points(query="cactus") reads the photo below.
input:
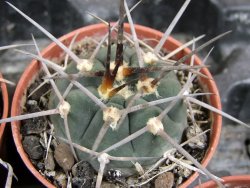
(117, 104)
(85, 119)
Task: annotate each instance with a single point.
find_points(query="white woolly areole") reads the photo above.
(150, 58)
(64, 108)
(84, 66)
(146, 86)
(125, 92)
(154, 125)
(103, 158)
(104, 96)
(112, 115)
(119, 75)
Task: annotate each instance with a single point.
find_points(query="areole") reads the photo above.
(53, 51)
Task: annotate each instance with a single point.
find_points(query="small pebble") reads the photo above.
(83, 174)
(185, 172)
(199, 142)
(60, 179)
(50, 173)
(33, 147)
(165, 180)
(40, 166)
(79, 182)
(33, 126)
(83, 169)
(64, 157)
(50, 162)
(113, 175)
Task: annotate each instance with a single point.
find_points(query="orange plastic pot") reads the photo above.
(4, 110)
(98, 30)
(239, 181)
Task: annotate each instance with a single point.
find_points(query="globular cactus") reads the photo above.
(85, 118)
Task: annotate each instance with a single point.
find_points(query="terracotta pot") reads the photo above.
(239, 181)
(4, 111)
(143, 32)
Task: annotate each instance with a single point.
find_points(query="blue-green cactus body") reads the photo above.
(86, 118)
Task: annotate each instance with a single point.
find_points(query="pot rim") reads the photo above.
(5, 98)
(236, 180)
(91, 30)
